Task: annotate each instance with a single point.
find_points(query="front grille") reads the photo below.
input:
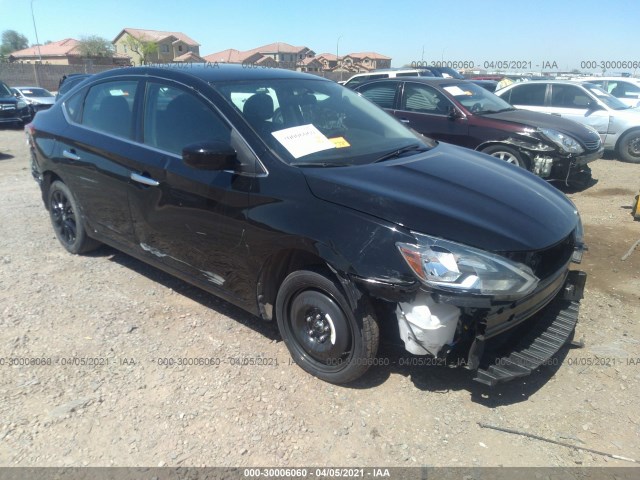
(592, 145)
(545, 263)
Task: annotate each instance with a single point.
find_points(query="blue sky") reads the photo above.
(565, 31)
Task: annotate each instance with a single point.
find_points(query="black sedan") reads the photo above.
(301, 202)
(465, 114)
(12, 110)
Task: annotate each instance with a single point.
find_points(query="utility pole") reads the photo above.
(36, 30)
(338, 55)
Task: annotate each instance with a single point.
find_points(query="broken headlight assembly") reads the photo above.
(565, 142)
(453, 267)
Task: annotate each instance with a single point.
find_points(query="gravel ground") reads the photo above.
(130, 410)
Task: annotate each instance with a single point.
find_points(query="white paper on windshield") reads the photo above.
(303, 140)
(455, 91)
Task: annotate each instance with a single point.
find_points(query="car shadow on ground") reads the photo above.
(268, 329)
(392, 359)
(5, 156)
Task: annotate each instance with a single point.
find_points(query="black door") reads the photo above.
(96, 150)
(190, 219)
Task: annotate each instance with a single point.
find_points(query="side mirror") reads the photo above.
(214, 155)
(593, 105)
(453, 113)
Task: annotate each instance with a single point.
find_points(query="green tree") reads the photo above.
(12, 41)
(95, 46)
(143, 48)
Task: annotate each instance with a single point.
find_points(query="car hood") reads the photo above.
(456, 194)
(545, 120)
(43, 100)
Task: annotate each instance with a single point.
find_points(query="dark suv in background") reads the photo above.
(12, 110)
(465, 114)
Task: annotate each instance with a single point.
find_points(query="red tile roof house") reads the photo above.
(366, 61)
(277, 54)
(63, 52)
(171, 45)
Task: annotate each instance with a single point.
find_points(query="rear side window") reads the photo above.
(382, 94)
(529, 94)
(175, 118)
(108, 107)
(354, 82)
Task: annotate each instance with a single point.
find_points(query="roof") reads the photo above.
(209, 73)
(156, 36)
(371, 55)
(189, 57)
(61, 48)
(278, 47)
(230, 55)
(328, 56)
(308, 60)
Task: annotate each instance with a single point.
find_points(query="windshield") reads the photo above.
(35, 92)
(317, 122)
(476, 99)
(4, 91)
(606, 98)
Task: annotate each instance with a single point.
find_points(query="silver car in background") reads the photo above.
(38, 98)
(625, 89)
(617, 124)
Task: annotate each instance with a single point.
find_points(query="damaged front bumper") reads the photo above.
(505, 341)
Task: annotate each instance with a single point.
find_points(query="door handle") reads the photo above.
(70, 154)
(404, 120)
(144, 180)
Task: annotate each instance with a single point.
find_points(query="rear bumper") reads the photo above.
(518, 352)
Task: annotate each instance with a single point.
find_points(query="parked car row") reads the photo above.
(302, 202)
(618, 124)
(465, 114)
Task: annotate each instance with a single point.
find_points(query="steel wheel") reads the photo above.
(323, 334)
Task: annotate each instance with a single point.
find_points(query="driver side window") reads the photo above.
(424, 99)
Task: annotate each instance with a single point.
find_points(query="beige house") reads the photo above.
(171, 45)
(365, 61)
(63, 52)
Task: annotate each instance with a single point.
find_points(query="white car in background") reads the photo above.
(617, 124)
(626, 89)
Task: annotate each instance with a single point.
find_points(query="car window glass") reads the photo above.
(382, 94)
(108, 107)
(424, 99)
(569, 96)
(623, 89)
(407, 74)
(353, 82)
(175, 118)
(73, 106)
(529, 94)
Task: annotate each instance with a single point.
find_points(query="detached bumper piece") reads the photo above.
(546, 333)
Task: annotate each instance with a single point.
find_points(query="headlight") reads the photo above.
(454, 267)
(21, 104)
(565, 142)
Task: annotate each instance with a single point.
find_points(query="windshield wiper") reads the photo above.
(415, 148)
(497, 111)
(320, 164)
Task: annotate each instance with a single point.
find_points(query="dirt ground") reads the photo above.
(126, 408)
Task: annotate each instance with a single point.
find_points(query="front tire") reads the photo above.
(324, 335)
(629, 147)
(66, 220)
(507, 154)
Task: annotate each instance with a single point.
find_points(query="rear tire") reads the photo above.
(324, 335)
(629, 147)
(66, 220)
(507, 154)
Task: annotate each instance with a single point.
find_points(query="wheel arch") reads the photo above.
(623, 134)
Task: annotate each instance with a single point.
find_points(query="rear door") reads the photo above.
(95, 153)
